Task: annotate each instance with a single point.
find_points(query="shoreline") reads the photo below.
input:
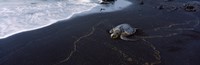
(52, 21)
(92, 10)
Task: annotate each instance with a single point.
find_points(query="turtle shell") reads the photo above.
(127, 29)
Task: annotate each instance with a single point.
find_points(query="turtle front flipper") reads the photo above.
(124, 37)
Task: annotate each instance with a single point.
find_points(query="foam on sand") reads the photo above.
(25, 15)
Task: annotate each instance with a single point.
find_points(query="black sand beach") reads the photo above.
(168, 35)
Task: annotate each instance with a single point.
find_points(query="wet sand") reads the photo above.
(167, 36)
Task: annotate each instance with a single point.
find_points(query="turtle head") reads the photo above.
(114, 36)
(115, 33)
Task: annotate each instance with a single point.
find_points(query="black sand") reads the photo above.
(169, 37)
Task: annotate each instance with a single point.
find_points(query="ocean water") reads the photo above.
(25, 15)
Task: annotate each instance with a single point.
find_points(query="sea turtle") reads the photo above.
(122, 30)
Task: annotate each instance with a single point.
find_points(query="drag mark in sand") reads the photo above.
(131, 58)
(125, 56)
(194, 24)
(170, 26)
(75, 44)
(157, 36)
(156, 55)
(175, 30)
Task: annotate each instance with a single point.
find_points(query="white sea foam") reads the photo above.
(24, 15)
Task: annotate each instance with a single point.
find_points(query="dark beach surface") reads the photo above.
(169, 34)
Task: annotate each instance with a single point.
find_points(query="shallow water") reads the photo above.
(19, 15)
(24, 15)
